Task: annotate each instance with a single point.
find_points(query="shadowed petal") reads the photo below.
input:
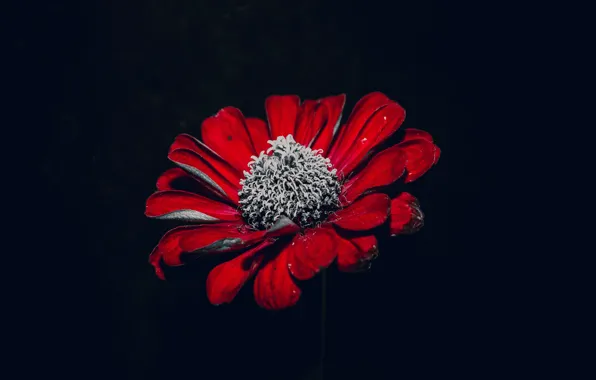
(225, 280)
(348, 133)
(259, 134)
(355, 254)
(334, 106)
(311, 252)
(366, 213)
(282, 111)
(383, 169)
(228, 237)
(220, 238)
(282, 226)
(406, 216)
(421, 156)
(210, 157)
(168, 249)
(204, 173)
(274, 288)
(377, 129)
(166, 180)
(182, 205)
(227, 135)
(308, 122)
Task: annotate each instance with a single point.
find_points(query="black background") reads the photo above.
(118, 80)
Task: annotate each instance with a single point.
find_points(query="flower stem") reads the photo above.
(323, 317)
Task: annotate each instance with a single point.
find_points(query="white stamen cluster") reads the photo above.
(288, 180)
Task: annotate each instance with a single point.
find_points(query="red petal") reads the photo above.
(311, 252)
(168, 249)
(228, 237)
(259, 134)
(368, 212)
(308, 122)
(381, 125)
(383, 169)
(406, 216)
(282, 111)
(220, 238)
(216, 162)
(421, 155)
(165, 181)
(202, 170)
(274, 288)
(283, 226)
(226, 279)
(334, 106)
(363, 110)
(356, 254)
(412, 134)
(182, 205)
(155, 261)
(226, 133)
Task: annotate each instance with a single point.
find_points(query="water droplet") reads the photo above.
(364, 140)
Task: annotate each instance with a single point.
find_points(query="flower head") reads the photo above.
(287, 196)
(289, 180)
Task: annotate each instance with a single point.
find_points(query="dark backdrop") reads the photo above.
(120, 79)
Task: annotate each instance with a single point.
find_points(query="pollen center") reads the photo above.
(291, 180)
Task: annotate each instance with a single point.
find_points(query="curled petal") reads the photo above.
(348, 133)
(356, 254)
(383, 169)
(220, 238)
(205, 173)
(421, 156)
(377, 129)
(366, 213)
(259, 133)
(229, 237)
(169, 177)
(282, 111)
(168, 249)
(318, 121)
(311, 252)
(155, 261)
(225, 280)
(226, 133)
(274, 288)
(406, 216)
(308, 122)
(334, 106)
(215, 161)
(182, 205)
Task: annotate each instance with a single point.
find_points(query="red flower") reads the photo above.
(289, 194)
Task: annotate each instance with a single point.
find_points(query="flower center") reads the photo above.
(288, 180)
